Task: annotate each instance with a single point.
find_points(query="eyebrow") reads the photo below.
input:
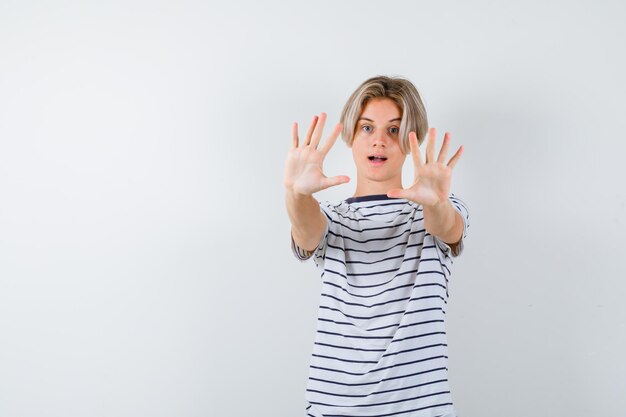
(370, 120)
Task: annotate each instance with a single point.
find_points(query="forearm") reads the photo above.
(443, 221)
(307, 221)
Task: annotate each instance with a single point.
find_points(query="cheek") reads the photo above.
(358, 149)
(401, 158)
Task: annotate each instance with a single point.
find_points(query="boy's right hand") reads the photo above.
(303, 170)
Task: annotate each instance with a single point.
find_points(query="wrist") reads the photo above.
(438, 206)
(439, 218)
(292, 194)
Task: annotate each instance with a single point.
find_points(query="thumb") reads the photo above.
(398, 193)
(332, 181)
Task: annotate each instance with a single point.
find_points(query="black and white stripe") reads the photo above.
(380, 347)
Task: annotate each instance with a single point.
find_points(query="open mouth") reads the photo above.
(375, 158)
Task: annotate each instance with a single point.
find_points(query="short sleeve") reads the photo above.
(461, 208)
(302, 254)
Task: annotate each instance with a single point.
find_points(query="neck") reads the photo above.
(369, 187)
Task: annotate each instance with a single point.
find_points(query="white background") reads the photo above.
(145, 267)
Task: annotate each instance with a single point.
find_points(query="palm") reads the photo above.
(431, 184)
(432, 179)
(304, 172)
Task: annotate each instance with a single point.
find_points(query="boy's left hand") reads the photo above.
(432, 180)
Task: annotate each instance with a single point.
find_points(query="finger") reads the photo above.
(330, 141)
(398, 193)
(456, 157)
(430, 145)
(444, 148)
(332, 181)
(307, 138)
(416, 154)
(294, 135)
(317, 133)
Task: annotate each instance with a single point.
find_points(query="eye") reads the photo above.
(394, 130)
(366, 128)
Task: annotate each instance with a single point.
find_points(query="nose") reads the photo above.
(379, 139)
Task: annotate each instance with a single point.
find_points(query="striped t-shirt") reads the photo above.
(380, 347)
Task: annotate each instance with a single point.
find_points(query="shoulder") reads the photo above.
(336, 211)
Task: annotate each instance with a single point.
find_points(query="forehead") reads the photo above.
(381, 109)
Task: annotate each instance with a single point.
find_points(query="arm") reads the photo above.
(303, 177)
(307, 221)
(445, 222)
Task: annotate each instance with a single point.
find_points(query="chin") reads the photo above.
(383, 175)
(379, 178)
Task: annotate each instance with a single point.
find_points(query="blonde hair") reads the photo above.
(402, 92)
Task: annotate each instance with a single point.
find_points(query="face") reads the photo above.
(376, 144)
